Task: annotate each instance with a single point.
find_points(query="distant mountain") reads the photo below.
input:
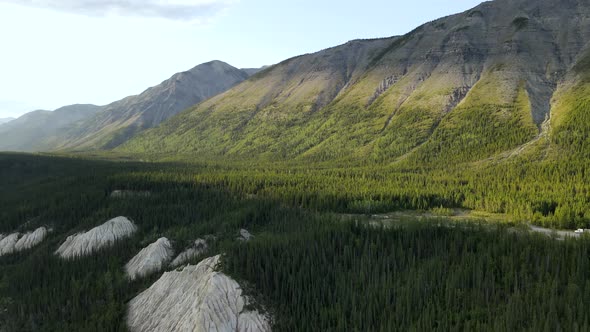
(4, 120)
(464, 87)
(252, 71)
(108, 126)
(119, 121)
(37, 130)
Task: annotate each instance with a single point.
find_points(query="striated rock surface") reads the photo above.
(8, 243)
(83, 244)
(16, 242)
(198, 248)
(150, 259)
(31, 239)
(198, 298)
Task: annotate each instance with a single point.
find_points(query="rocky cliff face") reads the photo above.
(105, 235)
(197, 298)
(419, 93)
(150, 259)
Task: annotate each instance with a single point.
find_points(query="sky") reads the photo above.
(61, 52)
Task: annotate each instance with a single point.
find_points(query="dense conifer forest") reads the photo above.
(308, 266)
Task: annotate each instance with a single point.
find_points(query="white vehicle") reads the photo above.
(579, 231)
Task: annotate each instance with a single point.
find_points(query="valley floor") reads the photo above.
(311, 263)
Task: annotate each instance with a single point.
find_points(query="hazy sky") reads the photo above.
(60, 52)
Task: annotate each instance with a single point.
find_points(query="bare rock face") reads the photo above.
(150, 259)
(198, 298)
(16, 242)
(198, 248)
(105, 235)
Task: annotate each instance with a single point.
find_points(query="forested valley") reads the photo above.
(307, 266)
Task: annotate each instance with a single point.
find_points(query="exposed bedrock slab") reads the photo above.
(197, 298)
(105, 235)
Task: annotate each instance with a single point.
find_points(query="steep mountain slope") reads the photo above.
(36, 130)
(116, 122)
(464, 87)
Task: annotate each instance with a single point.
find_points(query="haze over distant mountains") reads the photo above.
(491, 80)
(86, 127)
(35, 130)
(4, 120)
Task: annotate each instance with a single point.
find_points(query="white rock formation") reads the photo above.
(16, 242)
(31, 239)
(245, 235)
(198, 248)
(195, 299)
(150, 259)
(105, 235)
(8, 243)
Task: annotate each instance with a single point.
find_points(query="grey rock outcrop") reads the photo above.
(105, 235)
(245, 235)
(150, 259)
(198, 298)
(198, 248)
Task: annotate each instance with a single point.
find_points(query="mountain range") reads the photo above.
(36, 130)
(87, 127)
(500, 79)
(468, 86)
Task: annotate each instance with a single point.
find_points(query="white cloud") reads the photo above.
(184, 10)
